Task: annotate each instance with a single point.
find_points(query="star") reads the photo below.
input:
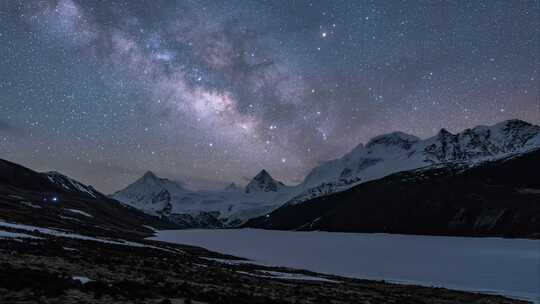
(214, 83)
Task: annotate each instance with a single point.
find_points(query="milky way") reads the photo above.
(211, 92)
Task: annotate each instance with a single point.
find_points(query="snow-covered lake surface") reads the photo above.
(508, 267)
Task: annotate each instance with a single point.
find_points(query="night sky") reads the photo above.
(211, 92)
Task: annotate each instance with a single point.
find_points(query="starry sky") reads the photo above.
(211, 92)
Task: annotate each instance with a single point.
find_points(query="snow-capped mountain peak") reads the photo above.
(151, 193)
(204, 208)
(381, 156)
(263, 182)
(394, 139)
(397, 151)
(482, 142)
(149, 175)
(151, 181)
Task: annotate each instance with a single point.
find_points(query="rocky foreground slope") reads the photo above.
(49, 269)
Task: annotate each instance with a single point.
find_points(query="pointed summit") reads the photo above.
(150, 178)
(263, 174)
(263, 182)
(149, 175)
(444, 133)
(151, 191)
(155, 183)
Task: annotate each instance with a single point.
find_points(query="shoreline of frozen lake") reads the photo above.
(506, 267)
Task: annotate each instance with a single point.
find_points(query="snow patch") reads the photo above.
(79, 212)
(150, 227)
(286, 276)
(59, 233)
(16, 235)
(81, 279)
(528, 191)
(29, 204)
(227, 261)
(382, 156)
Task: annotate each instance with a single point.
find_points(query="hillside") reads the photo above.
(495, 198)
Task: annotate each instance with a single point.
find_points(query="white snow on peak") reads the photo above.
(397, 139)
(397, 151)
(381, 156)
(151, 193)
(159, 196)
(481, 142)
(263, 182)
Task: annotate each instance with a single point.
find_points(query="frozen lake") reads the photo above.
(509, 267)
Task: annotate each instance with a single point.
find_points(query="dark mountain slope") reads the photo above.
(54, 200)
(498, 198)
(17, 176)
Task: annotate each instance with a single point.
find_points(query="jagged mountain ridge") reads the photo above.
(493, 198)
(397, 151)
(205, 209)
(381, 156)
